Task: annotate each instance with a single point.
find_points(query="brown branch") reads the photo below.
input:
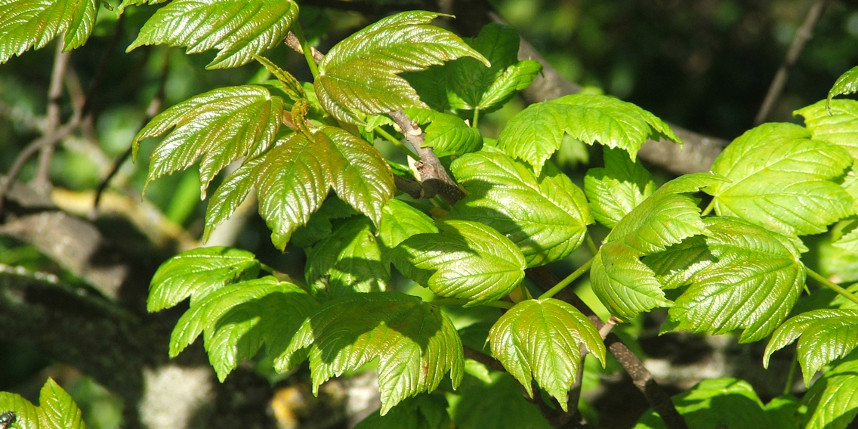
(52, 116)
(802, 35)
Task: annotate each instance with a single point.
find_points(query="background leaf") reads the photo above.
(847, 83)
(238, 29)
(618, 188)
(823, 336)
(425, 411)
(545, 216)
(542, 340)
(414, 343)
(495, 402)
(465, 260)
(34, 23)
(359, 74)
(832, 401)
(347, 261)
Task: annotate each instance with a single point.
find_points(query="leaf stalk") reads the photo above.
(568, 280)
(831, 285)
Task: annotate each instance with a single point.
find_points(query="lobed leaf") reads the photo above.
(493, 400)
(465, 260)
(34, 23)
(542, 340)
(216, 128)
(623, 283)
(545, 216)
(197, 273)
(847, 83)
(782, 180)
(618, 188)
(832, 401)
(415, 344)
(675, 266)
(536, 133)
(238, 29)
(359, 75)
(347, 261)
(399, 221)
(825, 335)
(836, 123)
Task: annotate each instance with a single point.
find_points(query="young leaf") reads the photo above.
(27, 24)
(826, 335)
(415, 344)
(623, 283)
(238, 319)
(56, 410)
(832, 401)
(541, 340)
(447, 134)
(835, 123)
(290, 85)
(347, 261)
(216, 127)
(782, 180)
(847, 83)
(358, 76)
(545, 216)
(753, 285)
(238, 29)
(618, 188)
(198, 272)
(537, 132)
(465, 260)
(399, 221)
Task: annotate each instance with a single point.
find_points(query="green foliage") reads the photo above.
(33, 24)
(56, 409)
(847, 83)
(832, 402)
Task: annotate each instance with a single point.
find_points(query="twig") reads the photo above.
(802, 35)
(52, 116)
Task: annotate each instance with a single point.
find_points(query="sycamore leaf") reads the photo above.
(446, 134)
(753, 285)
(216, 127)
(826, 335)
(229, 195)
(832, 401)
(238, 29)
(542, 340)
(618, 188)
(426, 411)
(675, 265)
(465, 260)
(34, 23)
(56, 410)
(415, 344)
(359, 75)
(537, 132)
(545, 216)
(399, 221)
(238, 319)
(835, 123)
(848, 242)
(847, 83)
(347, 261)
(623, 283)
(782, 180)
(198, 272)
(493, 400)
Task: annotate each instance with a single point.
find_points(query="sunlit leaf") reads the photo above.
(618, 188)
(359, 75)
(399, 221)
(238, 29)
(34, 23)
(56, 410)
(542, 340)
(446, 134)
(347, 261)
(290, 85)
(823, 336)
(623, 283)
(415, 344)
(198, 272)
(545, 216)
(832, 401)
(835, 123)
(847, 83)
(537, 132)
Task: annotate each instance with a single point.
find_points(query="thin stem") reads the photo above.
(306, 50)
(791, 375)
(405, 148)
(591, 244)
(709, 208)
(568, 280)
(476, 118)
(831, 285)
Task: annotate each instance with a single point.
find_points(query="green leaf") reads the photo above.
(446, 134)
(358, 76)
(56, 410)
(495, 403)
(347, 261)
(847, 83)
(465, 260)
(826, 335)
(545, 216)
(675, 266)
(618, 188)
(415, 344)
(34, 23)
(722, 403)
(623, 283)
(426, 411)
(835, 123)
(782, 180)
(238, 29)
(216, 127)
(537, 132)
(753, 285)
(832, 401)
(290, 85)
(542, 340)
(399, 220)
(198, 272)
(848, 241)
(229, 195)
(238, 319)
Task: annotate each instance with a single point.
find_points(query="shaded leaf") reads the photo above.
(347, 261)
(358, 76)
(426, 411)
(537, 132)
(34, 23)
(322, 222)
(198, 272)
(542, 340)
(832, 401)
(675, 266)
(399, 221)
(446, 134)
(618, 188)
(415, 344)
(835, 123)
(825, 335)
(465, 260)
(495, 403)
(238, 29)
(847, 83)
